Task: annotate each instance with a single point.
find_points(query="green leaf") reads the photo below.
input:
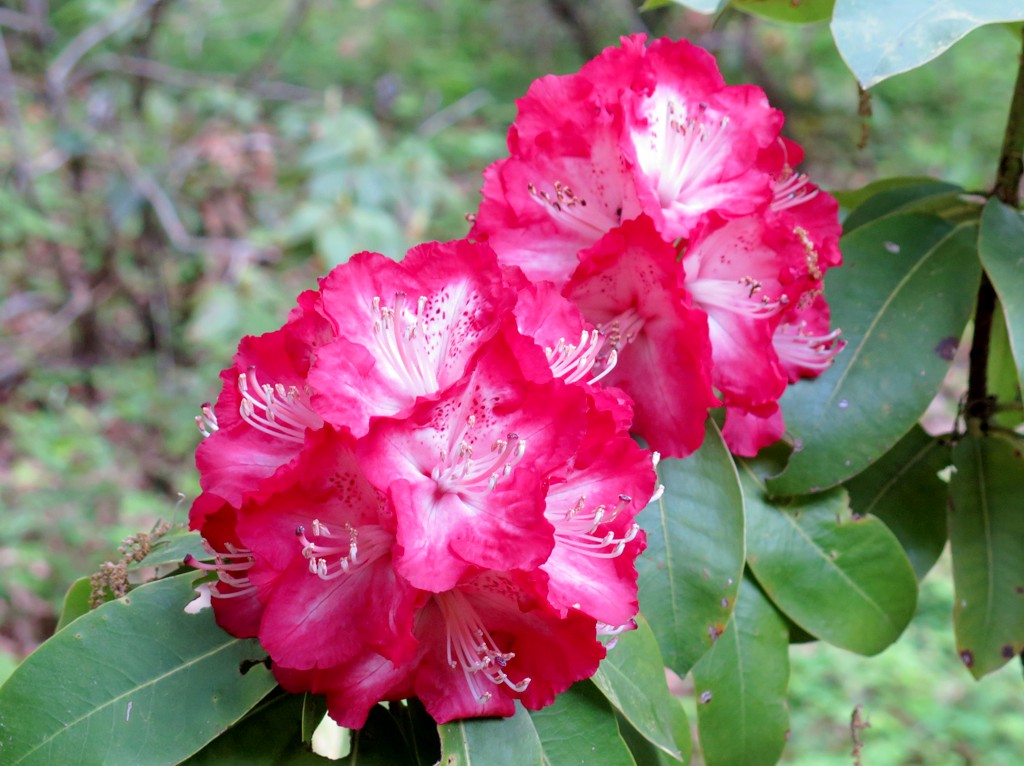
(792, 11)
(880, 38)
(842, 578)
(487, 741)
(986, 534)
(645, 753)
(76, 602)
(999, 244)
(314, 708)
(632, 677)
(388, 738)
(905, 295)
(892, 196)
(270, 735)
(693, 564)
(903, 490)
(741, 686)
(580, 728)
(106, 689)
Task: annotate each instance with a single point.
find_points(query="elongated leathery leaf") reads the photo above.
(632, 677)
(741, 686)
(578, 728)
(986, 534)
(880, 38)
(106, 688)
(691, 569)
(907, 291)
(903, 490)
(842, 578)
(999, 244)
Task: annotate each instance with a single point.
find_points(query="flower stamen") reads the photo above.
(284, 413)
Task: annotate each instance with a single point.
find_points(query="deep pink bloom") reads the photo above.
(404, 330)
(465, 471)
(259, 421)
(627, 285)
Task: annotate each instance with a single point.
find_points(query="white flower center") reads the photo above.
(400, 333)
(284, 413)
(331, 556)
(458, 471)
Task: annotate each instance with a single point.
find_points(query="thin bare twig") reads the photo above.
(25, 23)
(181, 78)
(454, 112)
(62, 66)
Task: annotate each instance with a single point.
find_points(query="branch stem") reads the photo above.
(1007, 190)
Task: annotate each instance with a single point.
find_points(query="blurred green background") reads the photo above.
(177, 171)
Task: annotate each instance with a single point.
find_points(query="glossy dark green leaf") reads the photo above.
(645, 753)
(691, 569)
(632, 677)
(999, 244)
(487, 741)
(986, 534)
(270, 735)
(391, 736)
(903, 298)
(314, 708)
(888, 198)
(104, 689)
(580, 729)
(799, 12)
(879, 38)
(76, 602)
(843, 579)
(903, 490)
(741, 686)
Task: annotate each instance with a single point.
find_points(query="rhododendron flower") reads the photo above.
(424, 498)
(653, 132)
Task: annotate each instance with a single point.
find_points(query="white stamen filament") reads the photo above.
(284, 413)
(792, 191)
(813, 351)
(232, 567)
(572, 210)
(620, 331)
(401, 339)
(681, 153)
(738, 296)
(458, 471)
(207, 421)
(577, 528)
(573, 362)
(357, 548)
(471, 647)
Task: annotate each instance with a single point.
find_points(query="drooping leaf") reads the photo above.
(104, 689)
(843, 578)
(879, 39)
(632, 677)
(999, 244)
(908, 290)
(692, 567)
(271, 735)
(645, 753)
(741, 686)
(76, 602)
(487, 741)
(986, 534)
(903, 490)
(580, 728)
(893, 196)
(799, 12)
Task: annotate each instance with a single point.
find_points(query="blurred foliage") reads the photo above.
(172, 185)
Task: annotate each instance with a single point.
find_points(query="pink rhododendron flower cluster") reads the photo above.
(424, 483)
(414, 487)
(666, 205)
